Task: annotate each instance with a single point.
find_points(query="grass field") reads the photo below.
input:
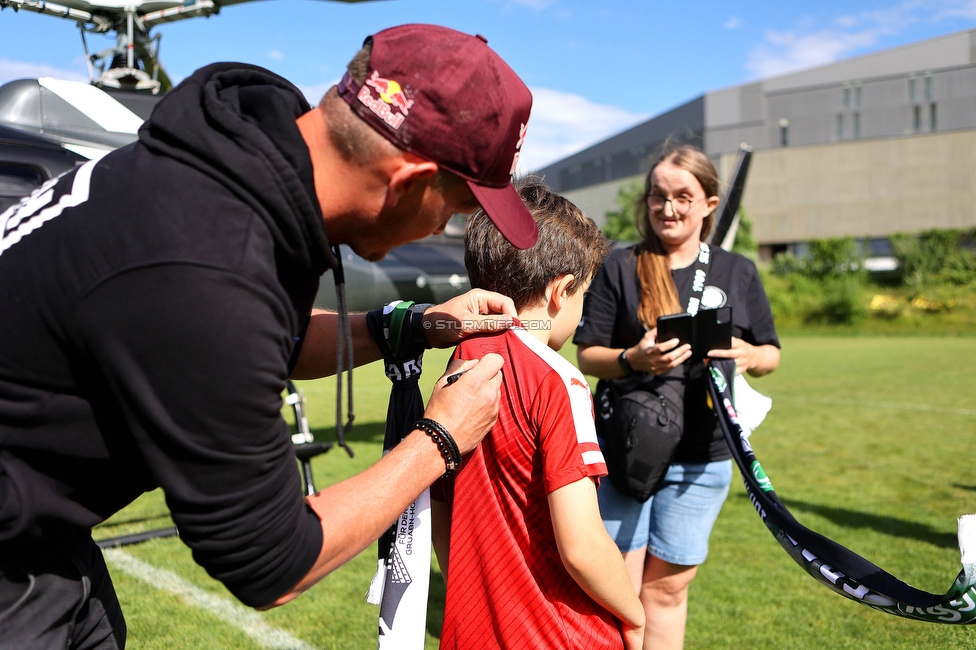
(870, 441)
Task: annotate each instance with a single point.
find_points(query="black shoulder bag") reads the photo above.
(640, 417)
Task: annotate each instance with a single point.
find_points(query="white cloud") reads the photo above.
(732, 22)
(315, 93)
(789, 51)
(848, 22)
(849, 34)
(11, 70)
(564, 123)
(276, 55)
(964, 9)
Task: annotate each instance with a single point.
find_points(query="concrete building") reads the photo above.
(865, 147)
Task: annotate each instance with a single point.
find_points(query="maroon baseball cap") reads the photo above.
(449, 98)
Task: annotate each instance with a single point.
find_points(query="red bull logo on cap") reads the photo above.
(518, 147)
(390, 95)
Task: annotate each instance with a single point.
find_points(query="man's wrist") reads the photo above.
(418, 331)
(398, 329)
(444, 441)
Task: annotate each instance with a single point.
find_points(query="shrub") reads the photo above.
(935, 255)
(960, 269)
(785, 264)
(840, 302)
(619, 225)
(834, 257)
(745, 244)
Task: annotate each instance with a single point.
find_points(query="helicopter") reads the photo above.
(48, 126)
(133, 62)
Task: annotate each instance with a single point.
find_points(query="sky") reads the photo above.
(595, 67)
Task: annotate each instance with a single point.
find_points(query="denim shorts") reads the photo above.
(676, 522)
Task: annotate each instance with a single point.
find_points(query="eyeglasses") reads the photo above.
(679, 205)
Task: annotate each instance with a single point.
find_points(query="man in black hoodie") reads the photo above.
(155, 301)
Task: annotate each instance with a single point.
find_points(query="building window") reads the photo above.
(933, 122)
(847, 96)
(800, 249)
(784, 132)
(840, 126)
(928, 86)
(911, 89)
(879, 247)
(571, 178)
(857, 95)
(857, 125)
(917, 119)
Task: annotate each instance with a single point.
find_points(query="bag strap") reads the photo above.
(698, 283)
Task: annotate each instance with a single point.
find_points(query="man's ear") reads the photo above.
(559, 290)
(409, 170)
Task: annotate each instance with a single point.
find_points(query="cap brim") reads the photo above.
(505, 208)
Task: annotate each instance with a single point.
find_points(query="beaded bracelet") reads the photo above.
(445, 443)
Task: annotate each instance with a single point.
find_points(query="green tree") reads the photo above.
(935, 254)
(619, 225)
(834, 257)
(745, 244)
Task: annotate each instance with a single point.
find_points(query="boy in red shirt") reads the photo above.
(518, 533)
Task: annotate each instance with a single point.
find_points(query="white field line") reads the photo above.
(239, 616)
(904, 406)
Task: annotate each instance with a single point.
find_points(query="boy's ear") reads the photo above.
(559, 290)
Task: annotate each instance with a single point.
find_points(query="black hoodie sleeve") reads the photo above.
(192, 360)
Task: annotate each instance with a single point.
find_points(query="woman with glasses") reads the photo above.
(664, 539)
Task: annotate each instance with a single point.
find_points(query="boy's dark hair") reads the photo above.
(569, 242)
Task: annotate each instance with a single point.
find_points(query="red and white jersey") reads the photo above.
(507, 586)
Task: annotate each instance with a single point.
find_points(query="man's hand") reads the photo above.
(468, 408)
(356, 511)
(470, 313)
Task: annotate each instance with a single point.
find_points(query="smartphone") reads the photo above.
(676, 326)
(713, 330)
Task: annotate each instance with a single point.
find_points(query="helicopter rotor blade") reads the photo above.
(195, 8)
(134, 61)
(203, 8)
(99, 23)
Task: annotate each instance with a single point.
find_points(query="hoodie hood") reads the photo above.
(236, 123)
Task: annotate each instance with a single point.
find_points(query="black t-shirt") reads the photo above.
(610, 320)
